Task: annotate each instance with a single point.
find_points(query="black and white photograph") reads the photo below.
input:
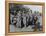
(25, 18)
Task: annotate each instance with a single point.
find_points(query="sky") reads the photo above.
(35, 7)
